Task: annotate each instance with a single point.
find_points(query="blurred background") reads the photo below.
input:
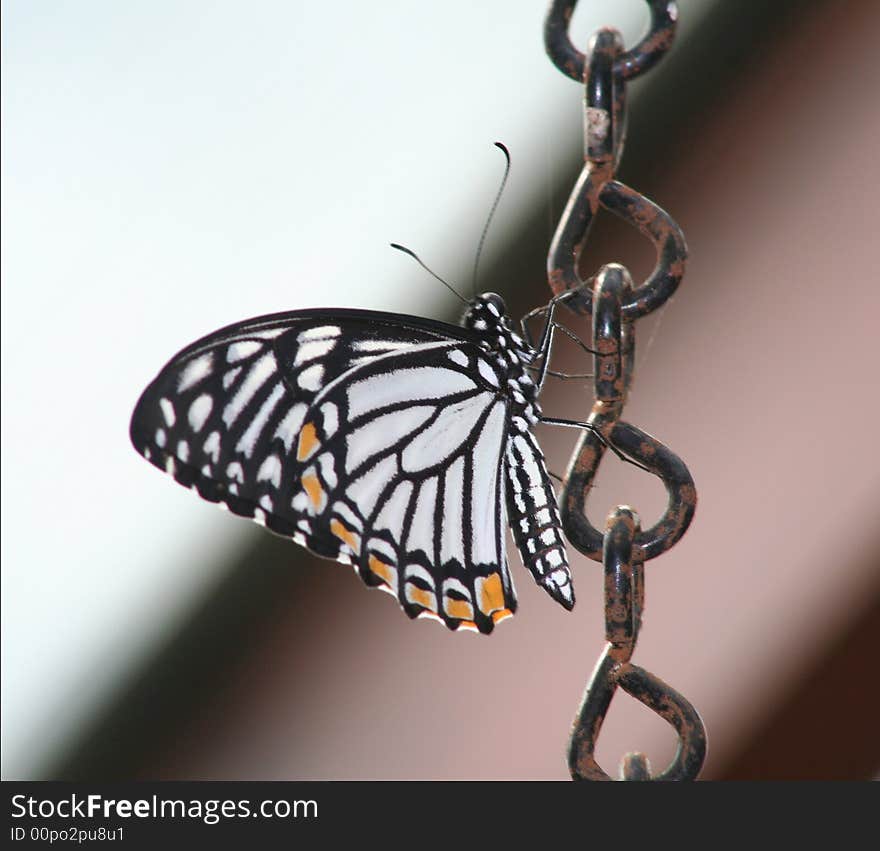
(170, 168)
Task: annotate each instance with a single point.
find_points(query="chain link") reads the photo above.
(614, 303)
(568, 59)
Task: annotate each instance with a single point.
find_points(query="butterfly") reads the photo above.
(400, 445)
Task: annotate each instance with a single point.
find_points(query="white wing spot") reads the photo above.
(319, 333)
(310, 378)
(289, 427)
(266, 502)
(199, 412)
(328, 473)
(212, 446)
(183, 450)
(167, 412)
(230, 377)
(256, 377)
(241, 350)
(160, 438)
(270, 471)
(235, 472)
(170, 466)
(195, 371)
(377, 345)
(458, 356)
(331, 418)
(313, 349)
(270, 334)
(252, 434)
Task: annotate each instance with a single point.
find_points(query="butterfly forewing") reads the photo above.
(236, 400)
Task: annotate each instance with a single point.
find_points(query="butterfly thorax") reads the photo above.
(487, 317)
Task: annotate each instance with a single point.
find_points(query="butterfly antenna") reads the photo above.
(433, 274)
(503, 149)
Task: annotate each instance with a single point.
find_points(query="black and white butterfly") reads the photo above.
(397, 444)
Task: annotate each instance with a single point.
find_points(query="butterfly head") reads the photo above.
(486, 312)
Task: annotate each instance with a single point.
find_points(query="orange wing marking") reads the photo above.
(420, 597)
(308, 442)
(313, 488)
(345, 535)
(385, 572)
(490, 594)
(459, 609)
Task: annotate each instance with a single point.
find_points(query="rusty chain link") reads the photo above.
(614, 303)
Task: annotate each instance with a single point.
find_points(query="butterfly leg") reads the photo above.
(568, 376)
(549, 309)
(580, 424)
(543, 348)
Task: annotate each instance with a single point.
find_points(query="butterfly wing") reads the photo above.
(312, 423)
(418, 439)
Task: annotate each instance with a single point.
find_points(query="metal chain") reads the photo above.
(615, 303)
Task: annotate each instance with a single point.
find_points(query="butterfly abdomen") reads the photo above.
(534, 518)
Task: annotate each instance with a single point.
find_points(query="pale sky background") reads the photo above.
(171, 167)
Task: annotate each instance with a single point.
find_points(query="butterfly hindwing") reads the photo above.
(418, 437)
